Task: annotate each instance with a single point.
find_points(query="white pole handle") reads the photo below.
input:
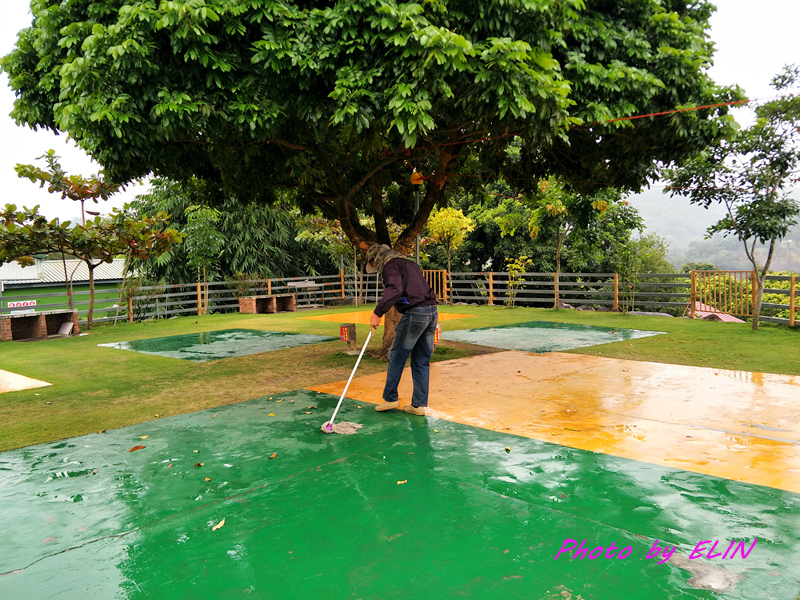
(351, 376)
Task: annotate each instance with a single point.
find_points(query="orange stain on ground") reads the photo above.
(732, 424)
(362, 317)
(11, 382)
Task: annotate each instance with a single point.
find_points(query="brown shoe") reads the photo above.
(415, 410)
(387, 405)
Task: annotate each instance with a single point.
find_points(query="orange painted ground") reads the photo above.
(362, 317)
(732, 424)
(11, 382)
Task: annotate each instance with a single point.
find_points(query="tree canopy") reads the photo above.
(337, 99)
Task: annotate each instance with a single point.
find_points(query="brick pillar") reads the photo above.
(76, 328)
(247, 305)
(5, 330)
(39, 327)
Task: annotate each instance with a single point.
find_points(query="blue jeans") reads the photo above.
(413, 336)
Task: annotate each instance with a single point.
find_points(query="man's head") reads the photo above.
(372, 254)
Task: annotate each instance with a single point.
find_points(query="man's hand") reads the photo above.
(374, 321)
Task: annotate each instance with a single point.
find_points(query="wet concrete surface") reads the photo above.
(409, 507)
(216, 345)
(545, 336)
(362, 317)
(14, 382)
(732, 424)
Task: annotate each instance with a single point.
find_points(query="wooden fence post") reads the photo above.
(491, 288)
(693, 297)
(199, 301)
(615, 306)
(793, 300)
(341, 278)
(269, 287)
(130, 309)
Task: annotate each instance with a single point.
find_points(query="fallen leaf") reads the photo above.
(508, 449)
(143, 437)
(307, 412)
(571, 429)
(271, 414)
(135, 448)
(218, 525)
(435, 431)
(169, 465)
(195, 450)
(94, 472)
(312, 407)
(278, 400)
(358, 407)
(48, 402)
(213, 416)
(156, 415)
(208, 479)
(199, 464)
(402, 482)
(273, 455)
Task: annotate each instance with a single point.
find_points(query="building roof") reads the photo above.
(52, 271)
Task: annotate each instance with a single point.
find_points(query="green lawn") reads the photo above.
(102, 388)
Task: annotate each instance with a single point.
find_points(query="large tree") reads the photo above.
(335, 99)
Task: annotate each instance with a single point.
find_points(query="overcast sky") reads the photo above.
(754, 41)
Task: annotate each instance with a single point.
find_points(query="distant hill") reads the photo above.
(683, 225)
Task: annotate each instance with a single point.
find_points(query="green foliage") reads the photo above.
(750, 175)
(697, 266)
(259, 239)
(74, 187)
(773, 298)
(516, 267)
(335, 100)
(448, 227)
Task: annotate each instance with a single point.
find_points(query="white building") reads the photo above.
(51, 272)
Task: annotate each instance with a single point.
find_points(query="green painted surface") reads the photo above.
(215, 345)
(326, 517)
(545, 336)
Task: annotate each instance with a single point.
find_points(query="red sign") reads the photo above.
(22, 304)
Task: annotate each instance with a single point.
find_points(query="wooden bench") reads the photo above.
(308, 288)
(268, 304)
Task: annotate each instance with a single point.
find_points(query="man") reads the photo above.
(405, 289)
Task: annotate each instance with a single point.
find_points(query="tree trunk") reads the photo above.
(449, 297)
(390, 321)
(91, 296)
(557, 281)
(122, 289)
(205, 292)
(761, 279)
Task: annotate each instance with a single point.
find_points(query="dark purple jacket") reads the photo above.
(402, 278)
